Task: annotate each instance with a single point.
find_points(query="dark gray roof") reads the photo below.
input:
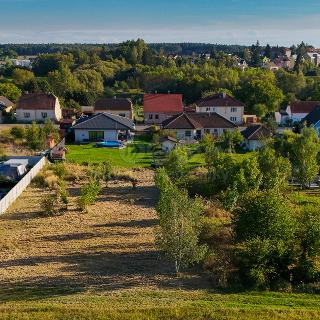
(313, 117)
(104, 121)
(256, 132)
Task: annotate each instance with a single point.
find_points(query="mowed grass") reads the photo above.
(161, 304)
(137, 154)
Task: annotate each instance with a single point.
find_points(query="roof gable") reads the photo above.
(163, 103)
(219, 100)
(4, 101)
(104, 121)
(256, 132)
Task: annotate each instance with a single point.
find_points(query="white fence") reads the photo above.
(15, 192)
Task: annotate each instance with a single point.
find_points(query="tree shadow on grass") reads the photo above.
(146, 223)
(97, 272)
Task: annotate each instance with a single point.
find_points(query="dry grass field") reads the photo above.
(104, 265)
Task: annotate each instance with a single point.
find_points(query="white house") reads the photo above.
(224, 105)
(38, 107)
(103, 127)
(192, 126)
(254, 136)
(168, 143)
(118, 106)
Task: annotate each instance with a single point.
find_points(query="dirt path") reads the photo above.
(110, 248)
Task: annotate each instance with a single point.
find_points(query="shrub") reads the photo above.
(49, 205)
(18, 132)
(88, 195)
(59, 170)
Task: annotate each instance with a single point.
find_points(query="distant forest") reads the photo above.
(185, 49)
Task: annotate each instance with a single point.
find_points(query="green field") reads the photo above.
(159, 304)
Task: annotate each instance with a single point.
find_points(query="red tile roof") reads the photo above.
(162, 103)
(37, 101)
(219, 100)
(304, 106)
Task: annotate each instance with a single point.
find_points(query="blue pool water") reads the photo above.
(110, 144)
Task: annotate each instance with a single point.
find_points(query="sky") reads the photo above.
(283, 22)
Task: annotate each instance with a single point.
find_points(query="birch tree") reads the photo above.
(180, 224)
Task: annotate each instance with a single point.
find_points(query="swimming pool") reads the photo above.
(110, 144)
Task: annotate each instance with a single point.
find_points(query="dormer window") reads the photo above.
(234, 109)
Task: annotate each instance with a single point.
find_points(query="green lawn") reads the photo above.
(159, 304)
(137, 154)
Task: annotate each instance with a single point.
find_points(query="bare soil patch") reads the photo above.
(110, 248)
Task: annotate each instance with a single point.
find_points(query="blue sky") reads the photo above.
(225, 21)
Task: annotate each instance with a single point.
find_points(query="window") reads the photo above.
(27, 114)
(188, 133)
(122, 115)
(96, 135)
(215, 130)
(208, 109)
(207, 131)
(156, 116)
(150, 116)
(44, 115)
(233, 119)
(234, 109)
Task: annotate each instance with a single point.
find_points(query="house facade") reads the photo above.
(192, 126)
(160, 107)
(103, 127)
(38, 107)
(118, 106)
(254, 136)
(224, 105)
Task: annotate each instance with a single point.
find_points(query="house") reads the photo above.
(313, 119)
(159, 107)
(5, 106)
(38, 107)
(103, 127)
(242, 64)
(168, 143)
(14, 169)
(224, 105)
(192, 126)
(254, 136)
(118, 106)
(300, 109)
(313, 57)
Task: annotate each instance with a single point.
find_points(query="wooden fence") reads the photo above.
(16, 191)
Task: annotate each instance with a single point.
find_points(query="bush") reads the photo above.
(88, 195)
(59, 170)
(18, 132)
(49, 205)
